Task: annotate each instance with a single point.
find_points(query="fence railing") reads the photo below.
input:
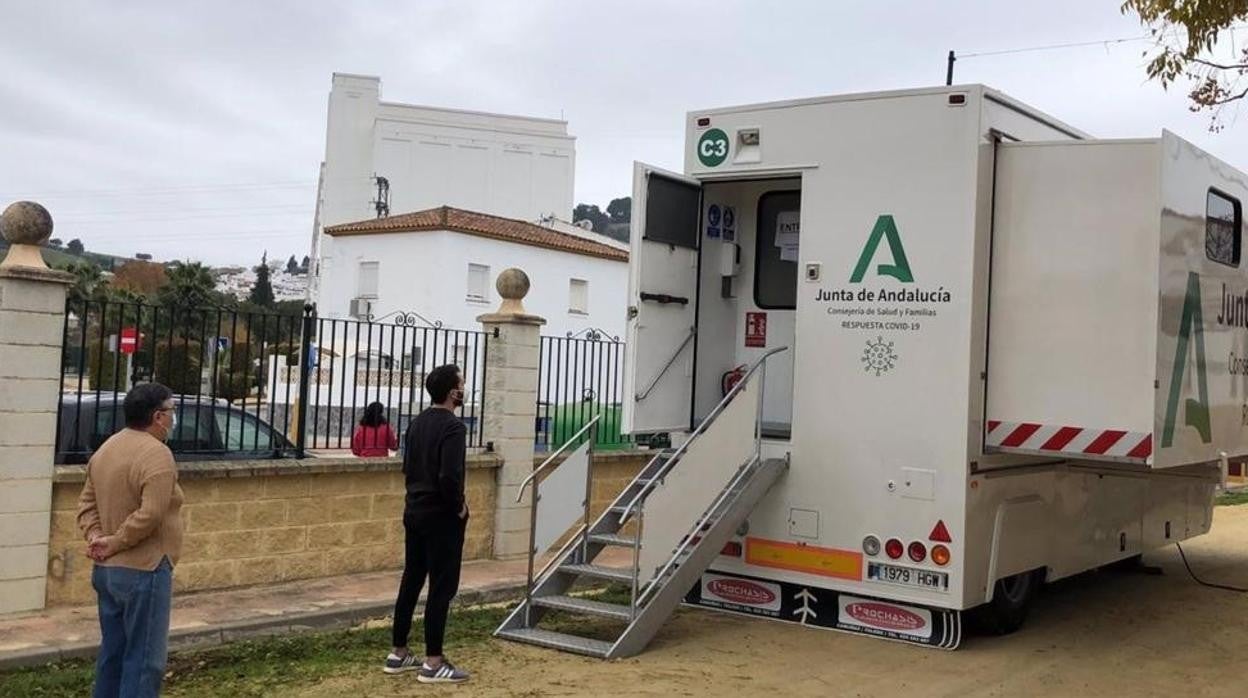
(580, 378)
(252, 384)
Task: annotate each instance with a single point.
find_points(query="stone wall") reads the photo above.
(258, 522)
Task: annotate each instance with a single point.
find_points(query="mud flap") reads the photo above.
(824, 608)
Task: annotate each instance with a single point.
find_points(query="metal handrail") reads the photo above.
(671, 462)
(549, 459)
(663, 371)
(558, 557)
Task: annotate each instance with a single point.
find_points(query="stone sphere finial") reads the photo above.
(27, 226)
(512, 284)
(26, 223)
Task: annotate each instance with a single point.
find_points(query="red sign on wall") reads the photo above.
(756, 329)
(128, 341)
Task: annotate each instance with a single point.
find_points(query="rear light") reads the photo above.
(940, 555)
(917, 551)
(871, 545)
(893, 548)
(731, 549)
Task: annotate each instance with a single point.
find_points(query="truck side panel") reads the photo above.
(1074, 259)
(1201, 407)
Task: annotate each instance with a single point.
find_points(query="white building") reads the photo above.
(511, 166)
(441, 264)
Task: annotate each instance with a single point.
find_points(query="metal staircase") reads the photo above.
(679, 511)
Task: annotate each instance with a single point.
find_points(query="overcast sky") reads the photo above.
(194, 129)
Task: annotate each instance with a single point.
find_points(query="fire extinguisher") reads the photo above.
(731, 378)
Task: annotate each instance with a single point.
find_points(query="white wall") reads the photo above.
(518, 167)
(427, 272)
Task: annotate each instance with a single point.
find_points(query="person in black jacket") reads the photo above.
(434, 519)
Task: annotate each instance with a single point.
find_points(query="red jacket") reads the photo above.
(372, 442)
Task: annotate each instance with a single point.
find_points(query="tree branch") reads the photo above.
(1219, 66)
(1228, 100)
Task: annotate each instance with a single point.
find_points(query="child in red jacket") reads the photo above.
(374, 438)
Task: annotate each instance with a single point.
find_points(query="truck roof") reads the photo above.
(987, 92)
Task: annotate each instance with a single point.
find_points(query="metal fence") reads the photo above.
(580, 378)
(252, 384)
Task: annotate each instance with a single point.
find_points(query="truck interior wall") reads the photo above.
(1074, 282)
(721, 331)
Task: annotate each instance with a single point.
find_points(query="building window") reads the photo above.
(578, 296)
(1223, 228)
(478, 283)
(414, 359)
(368, 280)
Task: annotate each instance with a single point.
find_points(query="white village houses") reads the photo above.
(440, 264)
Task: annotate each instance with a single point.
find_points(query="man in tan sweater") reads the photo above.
(129, 512)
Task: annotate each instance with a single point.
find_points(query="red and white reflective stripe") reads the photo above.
(1029, 436)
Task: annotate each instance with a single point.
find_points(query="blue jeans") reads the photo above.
(134, 629)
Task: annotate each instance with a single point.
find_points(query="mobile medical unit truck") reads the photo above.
(927, 349)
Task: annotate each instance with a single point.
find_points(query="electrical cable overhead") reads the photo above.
(954, 56)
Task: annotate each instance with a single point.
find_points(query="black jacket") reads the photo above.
(433, 463)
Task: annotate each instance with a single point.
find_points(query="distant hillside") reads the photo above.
(61, 257)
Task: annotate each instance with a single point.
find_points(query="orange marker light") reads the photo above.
(940, 555)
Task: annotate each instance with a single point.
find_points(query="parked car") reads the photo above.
(207, 429)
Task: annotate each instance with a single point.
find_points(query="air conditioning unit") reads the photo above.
(362, 308)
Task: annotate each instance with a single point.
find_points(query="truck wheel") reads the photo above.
(1011, 600)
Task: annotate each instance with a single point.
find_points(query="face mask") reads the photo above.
(457, 398)
(173, 424)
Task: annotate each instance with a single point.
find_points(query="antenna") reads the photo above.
(382, 203)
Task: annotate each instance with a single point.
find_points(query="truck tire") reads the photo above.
(1011, 600)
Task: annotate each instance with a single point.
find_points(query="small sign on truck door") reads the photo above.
(756, 329)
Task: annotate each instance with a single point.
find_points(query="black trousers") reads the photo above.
(434, 548)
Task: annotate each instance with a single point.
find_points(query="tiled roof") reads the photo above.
(485, 225)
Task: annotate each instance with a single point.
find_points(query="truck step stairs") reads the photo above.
(614, 574)
(589, 607)
(612, 539)
(557, 641)
(692, 522)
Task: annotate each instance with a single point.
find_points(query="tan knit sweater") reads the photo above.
(132, 491)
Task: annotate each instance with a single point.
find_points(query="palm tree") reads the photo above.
(87, 284)
(190, 286)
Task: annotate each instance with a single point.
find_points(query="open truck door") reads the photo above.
(662, 290)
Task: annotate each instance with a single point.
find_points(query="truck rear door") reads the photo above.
(662, 293)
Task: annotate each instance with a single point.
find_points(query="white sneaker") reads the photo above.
(398, 665)
(445, 673)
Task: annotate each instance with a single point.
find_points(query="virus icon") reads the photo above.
(879, 356)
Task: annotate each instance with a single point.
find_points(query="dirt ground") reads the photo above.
(1103, 634)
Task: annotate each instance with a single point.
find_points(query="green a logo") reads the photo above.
(885, 228)
(1197, 411)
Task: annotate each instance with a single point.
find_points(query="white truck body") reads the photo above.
(997, 326)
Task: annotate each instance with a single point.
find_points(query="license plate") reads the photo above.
(907, 576)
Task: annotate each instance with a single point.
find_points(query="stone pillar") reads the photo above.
(32, 316)
(511, 406)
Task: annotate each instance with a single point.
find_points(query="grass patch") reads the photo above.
(260, 667)
(1232, 498)
(269, 665)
